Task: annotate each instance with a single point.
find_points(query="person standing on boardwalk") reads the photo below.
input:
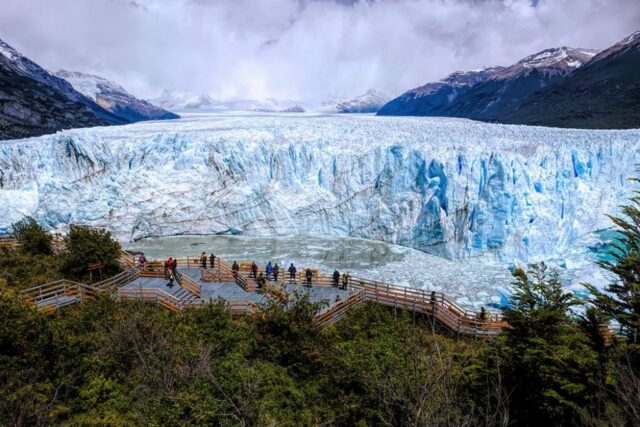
(276, 270)
(235, 268)
(345, 280)
(269, 270)
(212, 260)
(309, 275)
(171, 278)
(261, 281)
(203, 260)
(174, 265)
(336, 278)
(142, 260)
(254, 270)
(292, 272)
(169, 264)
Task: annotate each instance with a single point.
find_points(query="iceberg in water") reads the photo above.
(445, 186)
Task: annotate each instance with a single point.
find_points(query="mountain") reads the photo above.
(605, 93)
(433, 98)
(183, 101)
(114, 98)
(175, 100)
(369, 102)
(34, 102)
(489, 94)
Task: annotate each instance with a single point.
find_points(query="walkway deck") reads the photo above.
(194, 286)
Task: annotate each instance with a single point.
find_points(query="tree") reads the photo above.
(32, 237)
(621, 299)
(87, 245)
(549, 366)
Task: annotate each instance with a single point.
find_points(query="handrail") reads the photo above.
(189, 284)
(118, 280)
(156, 295)
(336, 311)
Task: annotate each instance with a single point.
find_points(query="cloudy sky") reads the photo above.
(300, 49)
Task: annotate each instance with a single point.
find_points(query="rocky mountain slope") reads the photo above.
(605, 93)
(34, 102)
(432, 99)
(114, 98)
(489, 94)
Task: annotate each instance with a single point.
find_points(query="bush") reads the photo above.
(87, 245)
(32, 237)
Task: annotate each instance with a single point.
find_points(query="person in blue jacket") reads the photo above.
(269, 270)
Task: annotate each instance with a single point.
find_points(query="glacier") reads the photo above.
(448, 187)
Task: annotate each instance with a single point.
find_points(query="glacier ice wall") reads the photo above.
(449, 187)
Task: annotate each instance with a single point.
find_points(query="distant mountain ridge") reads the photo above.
(490, 93)
(112, 97)
(604, 93)
(34, 102)
(561, 87)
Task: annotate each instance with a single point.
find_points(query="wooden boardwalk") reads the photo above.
(195, 286)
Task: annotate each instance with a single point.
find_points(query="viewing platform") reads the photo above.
(194, 286)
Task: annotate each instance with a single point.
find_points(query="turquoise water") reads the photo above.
(603, 249)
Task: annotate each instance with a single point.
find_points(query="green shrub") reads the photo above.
(85, 245)
(32, 237)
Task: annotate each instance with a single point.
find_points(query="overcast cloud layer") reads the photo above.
(300, 49)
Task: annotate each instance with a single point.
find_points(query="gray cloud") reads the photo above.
(300, 49)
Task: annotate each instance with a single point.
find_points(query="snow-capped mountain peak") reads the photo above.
(369, 102)
(113, 97)
(9, 52)
(562, 57)
(88, 84)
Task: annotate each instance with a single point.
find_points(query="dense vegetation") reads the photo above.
(103, 363)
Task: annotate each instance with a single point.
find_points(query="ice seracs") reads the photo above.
(445, 186)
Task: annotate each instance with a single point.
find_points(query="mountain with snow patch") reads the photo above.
(114, 98)
(604, 93)
(369, 102)
(35, 102)
(489, 94)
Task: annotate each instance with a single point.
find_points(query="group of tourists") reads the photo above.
(272, 272)
(211, 258)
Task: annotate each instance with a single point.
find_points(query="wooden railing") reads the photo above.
(154, 295)
(189, 284)
(248, 284)
(9, 242)
(277, 291)
(436, 304)
(338, 310)
(126, 259)
(52, 296)
(118, 280)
